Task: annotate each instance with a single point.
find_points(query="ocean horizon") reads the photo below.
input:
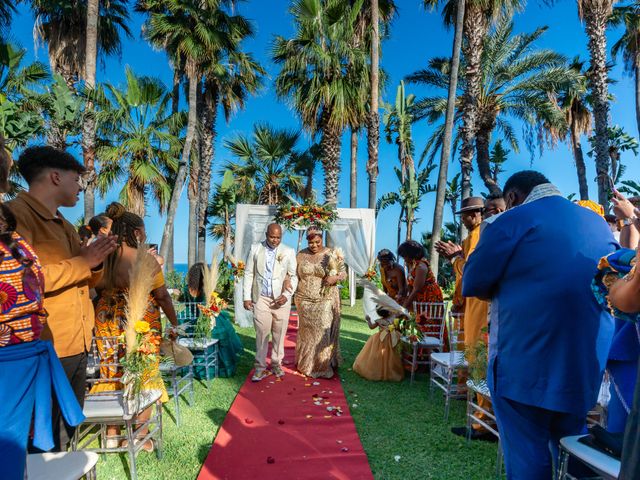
(182, 268)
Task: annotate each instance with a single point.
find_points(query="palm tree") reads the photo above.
(135, 145)
(447, 135)
(629, 45)
(619, 141)
(193, 32)
(62, 24)
(321, 70)
(595, 14)
(62, 110)
(229, 78)
(518, 82)
(20, 118)
(267, 163)
(409, 197)
(372, 15)
(7, 9)
(398, 119)
(575, 105)
(452, 195)
(89, 125)
(478, 16)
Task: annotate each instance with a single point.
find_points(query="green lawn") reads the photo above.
(392, 419)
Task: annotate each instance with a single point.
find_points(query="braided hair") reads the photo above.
(195, 280)
(6, 233)
(124, 226)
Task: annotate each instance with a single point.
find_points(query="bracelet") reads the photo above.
(629, 221)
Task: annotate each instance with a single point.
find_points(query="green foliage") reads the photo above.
(619, 141)
(225, 281)
(446, 276)
(175, 280)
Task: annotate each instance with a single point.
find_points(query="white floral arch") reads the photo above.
(354, 231)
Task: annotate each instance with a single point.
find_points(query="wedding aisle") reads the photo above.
(296, 427)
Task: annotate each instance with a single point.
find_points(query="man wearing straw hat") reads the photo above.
(475, 310)
(266, 292)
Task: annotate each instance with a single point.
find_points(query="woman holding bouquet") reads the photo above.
(111, 309)
(318, 304)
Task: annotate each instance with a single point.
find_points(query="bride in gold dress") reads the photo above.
(318, 304)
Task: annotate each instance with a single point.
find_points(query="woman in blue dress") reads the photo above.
(229, 345)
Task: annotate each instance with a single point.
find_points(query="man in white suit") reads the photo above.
(269, 280)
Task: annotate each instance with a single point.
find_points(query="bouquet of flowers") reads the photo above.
(142, 342)
(215, 304)
(407, 327)
(237, 268)
(293, 215)
(335, 264)
(371, 274)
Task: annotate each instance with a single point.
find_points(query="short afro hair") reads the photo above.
(412, 250)
(35, 160)
(524, 181)
(493, 196)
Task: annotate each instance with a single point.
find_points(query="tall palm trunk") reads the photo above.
(400, 226)
(596, 15)
(330, 144)
(445, 152)
(175, 91)
(483, 139)
(182, 166)
(192, 188)
(57, 137)
(89, 124)
(637, 74)
(169, 260)
(476, 26)
(209, 114)
(373, 133)
(578, 157)
(353, 185)
(227, 233)
(136, 199)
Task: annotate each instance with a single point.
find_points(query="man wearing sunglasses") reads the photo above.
(70, 268)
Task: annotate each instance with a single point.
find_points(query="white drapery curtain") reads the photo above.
(251, 226)
(354, 232)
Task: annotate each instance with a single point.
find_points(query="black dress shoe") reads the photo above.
(474, 434)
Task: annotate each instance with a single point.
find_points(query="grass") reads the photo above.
(391, 418)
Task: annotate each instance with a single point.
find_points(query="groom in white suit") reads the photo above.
(269, 280)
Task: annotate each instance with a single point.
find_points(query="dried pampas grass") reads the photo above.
(141, 276)
(210, 275)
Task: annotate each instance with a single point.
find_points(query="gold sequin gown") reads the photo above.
(317, 346)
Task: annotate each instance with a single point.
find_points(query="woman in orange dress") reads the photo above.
(422, 285)
(112, 305)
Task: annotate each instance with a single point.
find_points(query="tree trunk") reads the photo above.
(209, 111)
(169, 260)
(182, 166)
(373, 126)
(89, 124)
(227, 235)
(484, 159)
(330, 144)
(175, 91)
(596, 28)
(57, 137)
(476, 26)
(409, 223)
(353, 191)
(194, 182)
(400, 226)
(578, 157)
(445, 152)
(637, 74)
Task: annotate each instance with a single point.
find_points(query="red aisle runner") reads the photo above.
(289, 429)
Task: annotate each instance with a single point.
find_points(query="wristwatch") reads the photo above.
(629, 221)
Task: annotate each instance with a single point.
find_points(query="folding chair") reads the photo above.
(205, 350)
(473, 390)
(433, 336)
(111, 408)
(448, 367)
(61, 466)
(181, 380)
(607, 467)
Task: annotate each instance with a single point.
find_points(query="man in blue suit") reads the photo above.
(535, 263)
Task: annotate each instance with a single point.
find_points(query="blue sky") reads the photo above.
(416, 36)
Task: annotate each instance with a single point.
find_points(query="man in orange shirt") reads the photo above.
(70, 268)
(476, 311)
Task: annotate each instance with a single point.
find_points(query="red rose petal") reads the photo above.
(271, 460)
(344, 449)
(248, 421)
(280, 422)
